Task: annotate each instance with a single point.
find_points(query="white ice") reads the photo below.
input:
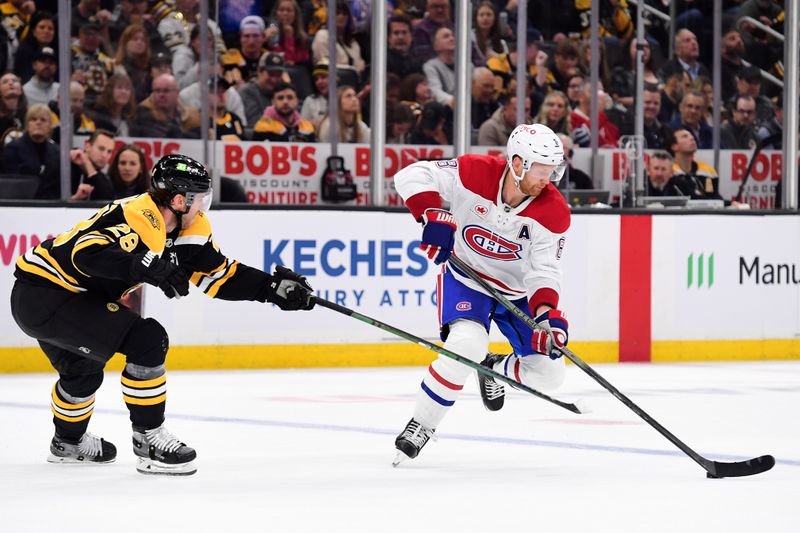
(311, 450)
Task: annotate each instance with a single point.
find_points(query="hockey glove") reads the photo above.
(167, 276)
(289, 291)
(551, 334)
(438, 234)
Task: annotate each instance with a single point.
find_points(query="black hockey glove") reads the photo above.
(152, 269)
(289, 291)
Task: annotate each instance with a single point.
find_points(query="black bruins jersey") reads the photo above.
(97, 254)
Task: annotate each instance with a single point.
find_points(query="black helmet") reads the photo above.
(178, 174)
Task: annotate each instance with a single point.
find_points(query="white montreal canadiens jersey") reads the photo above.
(517, 250)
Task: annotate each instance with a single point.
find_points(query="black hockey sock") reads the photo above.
(145, 393)
(70, 414)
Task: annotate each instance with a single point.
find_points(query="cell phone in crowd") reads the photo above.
(503, 23)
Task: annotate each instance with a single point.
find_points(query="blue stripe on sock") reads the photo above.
(505, 365)
(435, 397)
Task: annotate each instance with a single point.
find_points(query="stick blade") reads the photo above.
(742, 468)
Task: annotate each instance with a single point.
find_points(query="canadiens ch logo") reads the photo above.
(481, 210)
(463, 306)
(149, 215)
(488, 244)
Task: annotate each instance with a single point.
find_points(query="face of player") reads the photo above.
(99, 151)
(536, 179)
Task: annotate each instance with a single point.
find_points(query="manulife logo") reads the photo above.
(700, 271)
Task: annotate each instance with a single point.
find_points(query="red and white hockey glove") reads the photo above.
(438, 234)
(551, 334)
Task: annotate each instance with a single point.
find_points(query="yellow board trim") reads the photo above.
(161, 398)
(72, 418)
(71, 406)
(16, 360)
(146, 384)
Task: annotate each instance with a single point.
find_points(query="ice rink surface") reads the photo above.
(311, 451)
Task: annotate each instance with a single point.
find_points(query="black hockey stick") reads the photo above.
(714, 469)
(447, 353)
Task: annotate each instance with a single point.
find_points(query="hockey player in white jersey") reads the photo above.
(507, 222)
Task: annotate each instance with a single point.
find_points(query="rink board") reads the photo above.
(727, 307)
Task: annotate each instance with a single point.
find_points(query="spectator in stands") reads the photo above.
(732, 50)
(133, 59)
(161, 63)
(82, 124)
(128, 12)
(315, 106)
(89, 182)
(227, 125)
(186, 62)
(437, 15)
(704, 85)
(241, 64)
(659, 175)
(42, 34)
(585, 61)
(690, 117)
(770, 134)
(288, 35)
(162, 115)
(282, 121)
(574, 89)
(623, 76)
(565, 65)
(739, 132)
(608, 134)
(399, 121)
(495, 130)
(440, 70)
(116, 106)
(90, 12)
(691, 177)
(756, 40)
(655, 133)
(432, 126)
(42, 88)
(349, 62)
(399, 59)
(35, 153)
(90, 66)
(686, 54)
(487, 42)
(671, 95)
(191, 96)
(748, 82)
(483, 102)
(574, 178)
(349, 128)
(128, 172)
(555, 113)
(15, 15)
(256, 94)
(13, 108)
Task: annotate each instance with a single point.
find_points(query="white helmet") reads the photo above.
(536, 143)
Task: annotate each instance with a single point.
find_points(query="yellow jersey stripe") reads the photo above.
(214, 287)
(145, 401)
(85, 244)
(197, 277)
(146, 384)
(44, 254)
(39, 271)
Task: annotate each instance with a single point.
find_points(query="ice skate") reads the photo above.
(493, 393)
(88, 450)
(411, 441)
(161, 452)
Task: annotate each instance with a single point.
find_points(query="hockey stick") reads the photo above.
(574, 407)
(714, 469)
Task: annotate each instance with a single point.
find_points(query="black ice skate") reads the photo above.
(411, 441)
(88, 450)
(493, 393)
(161, 452)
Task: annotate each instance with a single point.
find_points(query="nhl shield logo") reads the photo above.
(481, 210)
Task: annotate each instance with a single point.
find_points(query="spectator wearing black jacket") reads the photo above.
(89, 182)
(35, 153)
(399, 59)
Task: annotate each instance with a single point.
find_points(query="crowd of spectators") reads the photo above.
(135, 72)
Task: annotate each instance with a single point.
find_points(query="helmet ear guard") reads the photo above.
(535, 143)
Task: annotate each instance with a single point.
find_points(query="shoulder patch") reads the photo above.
(145, 219)
(550, 210)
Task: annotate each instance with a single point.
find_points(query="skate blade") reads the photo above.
(55, 459)
(399, 458)
(155, 468)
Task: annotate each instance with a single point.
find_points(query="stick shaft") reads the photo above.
(443, 351)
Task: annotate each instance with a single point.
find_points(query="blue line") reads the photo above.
(448, 436)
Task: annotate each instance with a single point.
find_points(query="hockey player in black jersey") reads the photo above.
(66, 294)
